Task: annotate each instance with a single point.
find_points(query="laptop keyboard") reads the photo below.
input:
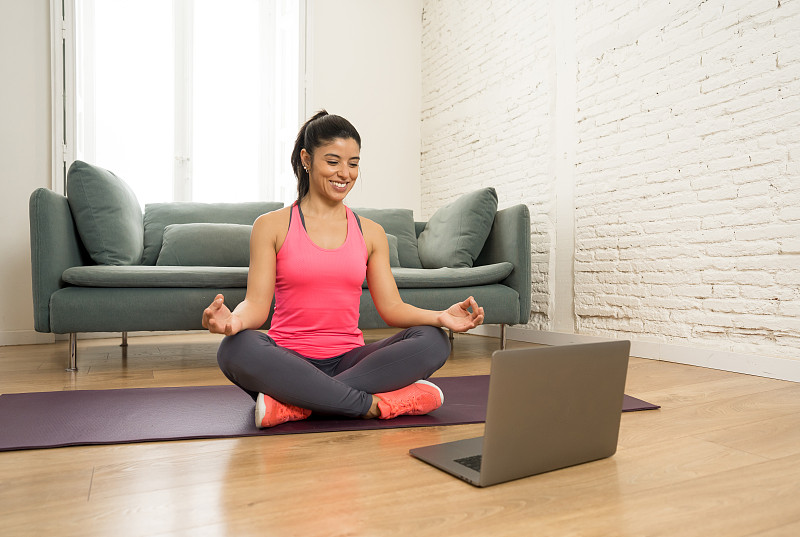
(473, 462)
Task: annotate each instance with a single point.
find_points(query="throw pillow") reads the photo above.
(158, 216)
(205, 245)
(400, 223)
(106, 213)
(456, 233)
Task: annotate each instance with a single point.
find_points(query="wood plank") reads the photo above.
(692, 394)
(644, 428)
(784, 530)
(772, 438)
(752, 499)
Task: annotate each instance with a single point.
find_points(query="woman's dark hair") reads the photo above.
(321, 129)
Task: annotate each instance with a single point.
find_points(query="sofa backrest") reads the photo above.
(158, 216)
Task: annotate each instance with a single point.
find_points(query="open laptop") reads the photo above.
(548, 408)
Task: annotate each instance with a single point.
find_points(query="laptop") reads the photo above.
(548, 408)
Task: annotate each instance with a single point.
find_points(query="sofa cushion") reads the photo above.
(106, 213)
(158, 216)
(408, 278)
(149, 276)
(456, 233)
(400, 223)
(209, 245)
(227, 277)
(134, 309)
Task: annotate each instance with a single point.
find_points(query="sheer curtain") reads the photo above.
(190, 100)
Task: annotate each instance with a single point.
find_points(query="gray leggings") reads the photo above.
(342, 385)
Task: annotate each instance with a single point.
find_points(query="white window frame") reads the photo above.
(64, 95)
(62, 90)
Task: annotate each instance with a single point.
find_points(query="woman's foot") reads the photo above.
(416, 399)
(270, 412)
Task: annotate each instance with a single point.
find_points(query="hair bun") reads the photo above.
(321, 113)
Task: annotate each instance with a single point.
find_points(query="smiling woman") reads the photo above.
(312, 258)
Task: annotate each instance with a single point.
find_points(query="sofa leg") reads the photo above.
(124, 339)
(450, 335)
(502, 336)
(73, 352)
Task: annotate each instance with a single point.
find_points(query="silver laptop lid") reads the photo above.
(552, 407)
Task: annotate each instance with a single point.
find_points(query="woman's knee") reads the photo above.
(437, 343)
(233, 347)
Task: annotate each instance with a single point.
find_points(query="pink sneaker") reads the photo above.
(270, 412)
(413, 400)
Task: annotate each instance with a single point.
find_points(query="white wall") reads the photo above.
(24, 152)
(363, 60)
(679, 151)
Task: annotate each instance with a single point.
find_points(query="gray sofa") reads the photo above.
(101, 265)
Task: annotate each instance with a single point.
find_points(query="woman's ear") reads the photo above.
(305, 158)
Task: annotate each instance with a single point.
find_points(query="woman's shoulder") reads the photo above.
(374, 235)
(273, 224)
(273, 218)
(370, 226)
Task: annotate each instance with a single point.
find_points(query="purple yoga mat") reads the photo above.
(88, 417)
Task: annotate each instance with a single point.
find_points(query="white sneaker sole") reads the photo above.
(438, 389)
(261, 409)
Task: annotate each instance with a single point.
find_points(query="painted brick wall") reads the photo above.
(687, 157)
(485, 115)
(687, 184)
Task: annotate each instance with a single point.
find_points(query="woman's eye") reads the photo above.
(354, 165)
(332, 163)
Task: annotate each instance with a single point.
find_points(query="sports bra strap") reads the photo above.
(303, 219)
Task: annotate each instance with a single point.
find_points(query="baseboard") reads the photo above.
(24, 337)
(748, 364)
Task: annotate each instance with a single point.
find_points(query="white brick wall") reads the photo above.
(687, 158)
(485, 115)
(687, 182)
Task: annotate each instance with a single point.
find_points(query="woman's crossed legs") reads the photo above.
(343, 385)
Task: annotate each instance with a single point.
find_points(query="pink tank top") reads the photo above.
(318, 292)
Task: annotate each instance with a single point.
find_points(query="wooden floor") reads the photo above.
(721, 458)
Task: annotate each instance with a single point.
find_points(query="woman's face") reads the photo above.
(333, 170)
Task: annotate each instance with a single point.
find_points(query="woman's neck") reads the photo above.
(319, 208)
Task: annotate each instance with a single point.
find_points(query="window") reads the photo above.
(189, 100)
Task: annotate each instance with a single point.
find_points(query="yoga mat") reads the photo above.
(90, 417)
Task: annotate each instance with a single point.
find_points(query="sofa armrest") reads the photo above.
(55, 246)
(510, 240)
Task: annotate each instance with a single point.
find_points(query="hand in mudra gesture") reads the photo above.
(218, 319)
(462, 316)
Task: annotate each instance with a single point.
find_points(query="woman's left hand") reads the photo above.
(462, 316)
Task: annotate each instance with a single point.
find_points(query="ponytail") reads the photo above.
(319, 130)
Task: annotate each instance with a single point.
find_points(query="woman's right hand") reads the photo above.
(218, 319)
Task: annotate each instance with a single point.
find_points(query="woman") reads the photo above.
(313, 257)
